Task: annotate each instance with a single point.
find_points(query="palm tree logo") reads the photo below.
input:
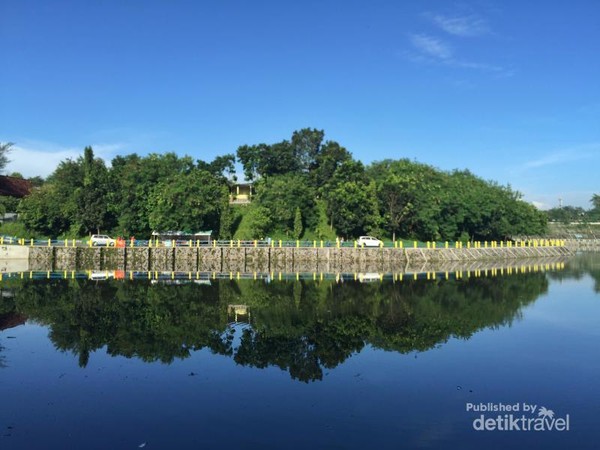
(544, 413)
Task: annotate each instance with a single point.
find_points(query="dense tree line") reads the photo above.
(304, 187)
(568, 214)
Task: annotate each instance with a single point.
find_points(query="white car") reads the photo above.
(103, 240)
(369, 241)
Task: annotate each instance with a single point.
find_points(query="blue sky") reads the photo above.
(507, 89)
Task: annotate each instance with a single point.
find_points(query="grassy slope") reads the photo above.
(242, 226)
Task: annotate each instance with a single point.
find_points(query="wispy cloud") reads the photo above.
(431, 46)
(464, 26)
(574, 154)
(433, 50)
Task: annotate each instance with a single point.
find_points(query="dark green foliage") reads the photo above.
(190, 202)
(418, 201)
(351, 198)
(282, 195)
(298, 227)
(226, 223)
(93, 198)
(4, 151)
(391, 198)
(135, 178)
(259, 222)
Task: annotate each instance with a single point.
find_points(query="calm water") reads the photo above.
(250, 364)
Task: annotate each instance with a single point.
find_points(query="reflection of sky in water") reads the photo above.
(374, 399)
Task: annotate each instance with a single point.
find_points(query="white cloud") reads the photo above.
(433, 50)
(464, 26)
(41, 158)
(564, 156)
(431, 46)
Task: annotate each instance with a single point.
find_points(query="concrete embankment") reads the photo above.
(583, 244)
(266, 259)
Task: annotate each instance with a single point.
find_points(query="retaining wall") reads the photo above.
(265, 259)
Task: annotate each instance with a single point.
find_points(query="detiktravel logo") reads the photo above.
(516, 417)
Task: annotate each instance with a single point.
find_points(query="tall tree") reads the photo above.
(134, 178)
(327, 161)
(5, 149)
(351, 198)
(189, 202)
(306, 146)
(93, 198)
(298, 228)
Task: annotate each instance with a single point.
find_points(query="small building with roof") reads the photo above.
(241, 193)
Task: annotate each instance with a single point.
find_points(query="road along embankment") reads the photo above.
(272, 259)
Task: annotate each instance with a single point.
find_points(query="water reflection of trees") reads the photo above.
(584, 264)
(301, 327)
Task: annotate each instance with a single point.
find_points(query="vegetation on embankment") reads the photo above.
(305, 187)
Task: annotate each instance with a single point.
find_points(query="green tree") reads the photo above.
(226, 223)
(5, 149)
(327, 161)
(351, 198)
(42, 212)
(52, 210)
(223, 165)
(93, 197)
(134, 179)
(249, 156)
(189, 202)
(259, 222)
(306, 147)
(282, 195)
(298, 228)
